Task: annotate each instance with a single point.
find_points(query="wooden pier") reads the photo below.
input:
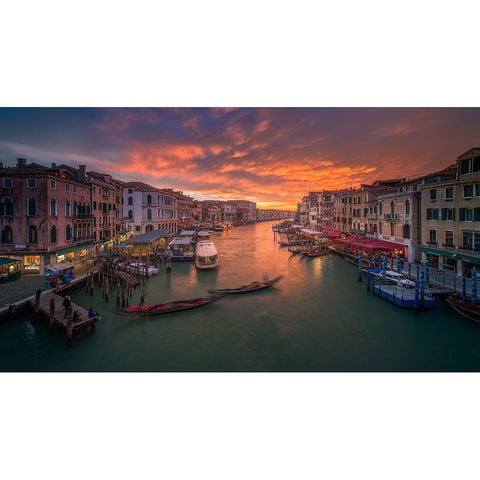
(402, 297)
(51, 305)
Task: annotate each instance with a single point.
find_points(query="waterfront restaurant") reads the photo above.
(10, 269)
(149, 242)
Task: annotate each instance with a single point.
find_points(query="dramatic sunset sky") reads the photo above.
(269, 155)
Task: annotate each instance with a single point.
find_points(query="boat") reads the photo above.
(139, 268)
(203, 235)
(206, 256)
(251, 287)
(393, 277)
(315, 252)
(467, 308)
(170, 307)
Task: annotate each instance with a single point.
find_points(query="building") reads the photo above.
(45, 215)
(187, 210)
(450, 236)
(147, 208)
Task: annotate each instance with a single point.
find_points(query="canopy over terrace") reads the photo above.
(366, 244)
(148, 242)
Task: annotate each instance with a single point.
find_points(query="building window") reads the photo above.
(130, 215)
(448, 193)
(433, 195)
(149, 214)
(467, 240)
(53, 207)
(465, 167)
(7, 237)
(67, 187)
(432, 213)
(476, 214)
(53, 184)
(467, 191)
(7, 207)
(67, 209)
(130, 201)
(448, 214)
(31, 183)
(149, 199)
(32, 235)
(465, 215)
(392, 229)
(31, 207)
(68, 232)
(449, 238)
(8, 183)
(74, 189)
(432, 237)
(380, 208)
(476, 164)
(137, 228)
(406, 231)
(53, 234)
(407, 207)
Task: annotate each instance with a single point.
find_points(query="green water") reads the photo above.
(318, 318)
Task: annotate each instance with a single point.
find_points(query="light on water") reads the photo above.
(317, 318)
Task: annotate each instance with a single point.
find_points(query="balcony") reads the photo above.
(391, 217)
(86, 238)
(82, 216)
(371, 216)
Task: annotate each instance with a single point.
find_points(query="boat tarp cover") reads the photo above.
(58, 267)
(181, 241)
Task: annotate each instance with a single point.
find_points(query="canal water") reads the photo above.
(317, 318)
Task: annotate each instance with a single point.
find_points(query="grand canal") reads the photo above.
(318, 318)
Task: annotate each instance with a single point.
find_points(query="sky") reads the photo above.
(272, 156)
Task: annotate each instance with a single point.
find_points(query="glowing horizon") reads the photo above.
(272, 156)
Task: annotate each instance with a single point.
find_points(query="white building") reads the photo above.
(146, 208)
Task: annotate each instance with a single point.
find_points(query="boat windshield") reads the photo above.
(207, 260)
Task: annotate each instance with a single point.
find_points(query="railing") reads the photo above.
(391, 216)
(372, 216)
(85, 238)
(82, 216)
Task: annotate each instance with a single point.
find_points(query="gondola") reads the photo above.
(170, 307)
(316, 253)
(252, 287)
(467, 309)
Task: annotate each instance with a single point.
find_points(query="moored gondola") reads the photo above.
(467, 308)
(251, 287)
(170, 307)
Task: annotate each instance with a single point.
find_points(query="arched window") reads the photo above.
(130, 214)
(32, 234)
(68, 212)
(149, 214)
(130, 200)
(380, 208)
(7, 237)
(53, 207)
(407, 208)
(149, 199)
(31, 207)
(149, 228)
(75, 209)
(68, 232)
(392, 206)
(7, 206)
(53, 234)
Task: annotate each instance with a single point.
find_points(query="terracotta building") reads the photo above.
(45, 215)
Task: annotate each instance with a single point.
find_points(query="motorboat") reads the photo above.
(170, 307)
(140, 268)
(206, 256)
(251, 287)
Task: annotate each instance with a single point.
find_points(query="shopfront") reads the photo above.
(10, 269)
(75, 254)
(31, 263)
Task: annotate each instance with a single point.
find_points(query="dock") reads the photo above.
(50, 304)
(402, 297)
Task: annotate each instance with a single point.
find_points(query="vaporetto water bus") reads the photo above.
(206, 256)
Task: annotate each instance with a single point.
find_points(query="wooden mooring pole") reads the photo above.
(37, 305)
(69, 327)
(52, 316)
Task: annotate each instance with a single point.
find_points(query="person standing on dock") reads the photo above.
(67, 303)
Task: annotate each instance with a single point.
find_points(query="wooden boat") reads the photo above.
(251, 287)
(315, 253)
(171, 307)
(467, 309)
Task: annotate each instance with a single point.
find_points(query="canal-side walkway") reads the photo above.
(19, 291)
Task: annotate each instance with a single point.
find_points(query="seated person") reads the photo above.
(76, 316)
(92, 313)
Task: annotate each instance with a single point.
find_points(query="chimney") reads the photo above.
(21, 162)
(81, 172)
(54, 165)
